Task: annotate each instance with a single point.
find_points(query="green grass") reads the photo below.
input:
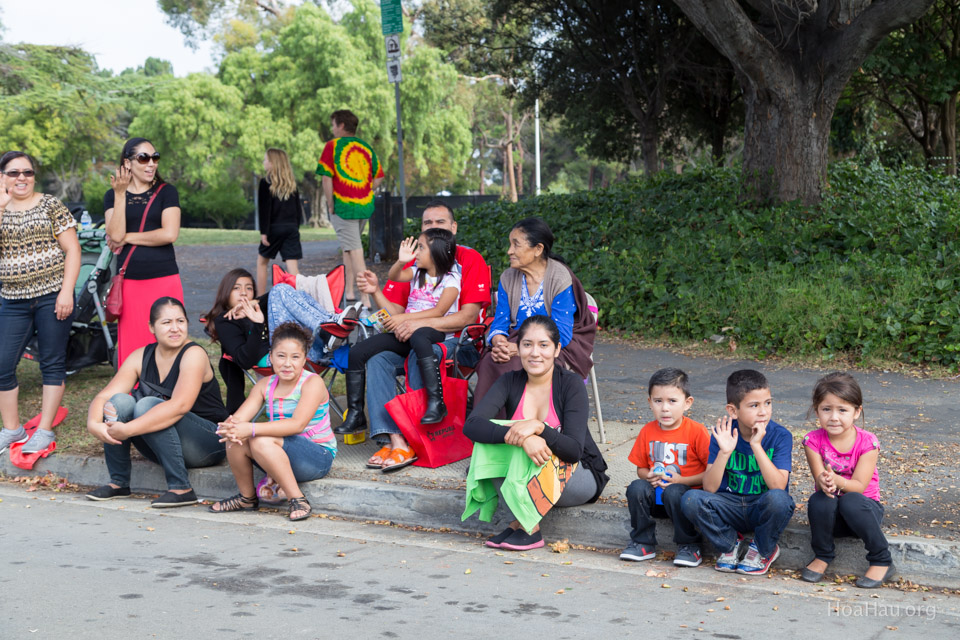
(216, 237)
(72, 434)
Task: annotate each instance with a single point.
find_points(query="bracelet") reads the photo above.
(253, 431)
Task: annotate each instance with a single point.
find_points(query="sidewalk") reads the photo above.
(434, 499)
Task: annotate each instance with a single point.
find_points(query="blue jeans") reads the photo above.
(18, 320)
(641, 499)
(189, 443)
(286, 304)
(720, 516)
(308, 460)
(382, 372)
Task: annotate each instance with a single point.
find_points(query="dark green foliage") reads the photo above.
(872, 271)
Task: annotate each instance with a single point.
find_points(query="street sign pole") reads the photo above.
(391, 23)
(403, 182)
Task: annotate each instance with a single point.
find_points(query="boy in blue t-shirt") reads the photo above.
(745, 485)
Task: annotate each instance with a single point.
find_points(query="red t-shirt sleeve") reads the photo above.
(638, 454)
(475, 280)
(701, 443)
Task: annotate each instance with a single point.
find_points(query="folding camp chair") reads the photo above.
(336, 282)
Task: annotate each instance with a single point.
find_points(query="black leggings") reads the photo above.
(849, 514)
(421, 343)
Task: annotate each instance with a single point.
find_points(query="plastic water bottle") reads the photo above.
(376, 258)
(86, 222)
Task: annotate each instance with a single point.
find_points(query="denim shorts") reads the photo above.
(308, 460)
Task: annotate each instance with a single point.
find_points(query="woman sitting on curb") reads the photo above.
(538, 447)
(171, 415)
(297, 444)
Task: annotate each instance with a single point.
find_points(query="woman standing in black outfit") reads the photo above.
(279, 214)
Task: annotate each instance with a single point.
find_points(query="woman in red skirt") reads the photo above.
(145, 243)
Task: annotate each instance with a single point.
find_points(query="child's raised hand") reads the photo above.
(725, 435)
(408, 250)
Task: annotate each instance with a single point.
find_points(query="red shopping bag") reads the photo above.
(435, 444)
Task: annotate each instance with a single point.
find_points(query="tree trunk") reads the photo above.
(792, 76)
(785, 142)
(948, 127)
(509, 175)
(483, 182)
(590, 177)
(648, 147)
(519, 168)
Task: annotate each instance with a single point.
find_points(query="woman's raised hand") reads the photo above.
(5, 196)
(408, 250)
(121, 180)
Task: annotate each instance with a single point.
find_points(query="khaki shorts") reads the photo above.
(348, 232)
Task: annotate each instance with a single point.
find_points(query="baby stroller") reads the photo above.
(92, 339)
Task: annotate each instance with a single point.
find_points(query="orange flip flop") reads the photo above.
(383, 453)
(401, 458)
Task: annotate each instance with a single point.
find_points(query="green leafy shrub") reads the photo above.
(873, 270)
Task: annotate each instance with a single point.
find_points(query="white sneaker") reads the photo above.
(727, 562)
(12, 436)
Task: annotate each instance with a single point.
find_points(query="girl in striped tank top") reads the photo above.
(297, 444)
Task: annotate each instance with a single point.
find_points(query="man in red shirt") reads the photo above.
(382, 369)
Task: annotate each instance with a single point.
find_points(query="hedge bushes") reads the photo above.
(873, 271)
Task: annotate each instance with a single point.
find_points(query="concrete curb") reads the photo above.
(931, 562)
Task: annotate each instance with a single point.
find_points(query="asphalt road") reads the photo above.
(80, 569)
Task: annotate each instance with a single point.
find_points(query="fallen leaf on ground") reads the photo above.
(468, 572)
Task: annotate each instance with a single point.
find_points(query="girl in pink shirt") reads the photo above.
(843, 461)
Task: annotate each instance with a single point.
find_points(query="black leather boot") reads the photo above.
(355, 421)
(430, 372)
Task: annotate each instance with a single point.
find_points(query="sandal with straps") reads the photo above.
(383, 453)
(399, 458)
(299, 504)
(238, 502)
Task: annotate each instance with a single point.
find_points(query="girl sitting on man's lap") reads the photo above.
(434, 293)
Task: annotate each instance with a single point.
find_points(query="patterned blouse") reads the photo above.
(31, 260)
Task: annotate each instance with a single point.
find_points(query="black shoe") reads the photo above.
(870, 583)
(106, 492)
(520, 540)
(171, 499)
(809, 575)
(494, 542)
(430, 372)
(354, 421)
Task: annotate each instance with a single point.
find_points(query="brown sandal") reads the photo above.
(238, 502)
(299, 504)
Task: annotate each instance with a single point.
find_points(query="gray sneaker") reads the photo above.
(688, 555)
(11, 436)
(40, 440)
(638, 552)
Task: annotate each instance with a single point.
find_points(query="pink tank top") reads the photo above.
(552, 420)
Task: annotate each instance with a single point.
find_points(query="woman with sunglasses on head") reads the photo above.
(143, 221)
(39, 265)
